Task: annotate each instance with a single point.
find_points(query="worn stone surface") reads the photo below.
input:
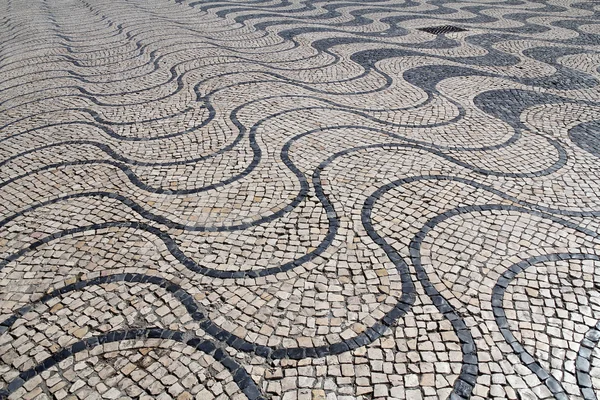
(299, 200)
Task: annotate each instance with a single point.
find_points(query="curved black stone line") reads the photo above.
(222, 335)
(584, 360)
(469, 347)
(134, 53)
(464, 383)
(587, 136)
(242, 379)
(83, 95)
(178, 89)
(489, 47)
(177, 253)
(177, 291)
(110, 132)
(233, 118)
(117, 47)
(562, 159)
(570, 213)
(368, 65)
(172, 247)
(244, 70)
(155, 61)
(95, 115)
(410, 76)
(469, 371)
(129, 35)
(333, 222)
(134, 178)
(351, 109)
(256, 159)
(87, 94)
(494, 54)
(497, 305)
(371, 334)
(97, 33)
(190, 264)
(58, 39)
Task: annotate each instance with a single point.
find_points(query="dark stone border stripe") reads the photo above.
(222, 335)
(497, 305)
(467, 378)
(190, 264)
(469, 372)
(583, 362)
(242, 379)
(177, 291)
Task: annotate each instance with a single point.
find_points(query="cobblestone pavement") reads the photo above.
(300, 199)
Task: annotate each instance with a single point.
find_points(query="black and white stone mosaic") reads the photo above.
(300, 199)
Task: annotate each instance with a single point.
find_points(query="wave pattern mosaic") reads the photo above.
(300, 199)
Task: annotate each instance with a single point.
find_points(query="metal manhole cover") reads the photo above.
(438, 30)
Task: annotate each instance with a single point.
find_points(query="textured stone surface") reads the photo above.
(290, 200)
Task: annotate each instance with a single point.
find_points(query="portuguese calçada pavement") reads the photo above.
(300, 199)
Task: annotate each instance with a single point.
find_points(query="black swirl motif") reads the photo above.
(299, 199)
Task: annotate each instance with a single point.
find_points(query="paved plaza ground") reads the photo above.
(300, 199)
